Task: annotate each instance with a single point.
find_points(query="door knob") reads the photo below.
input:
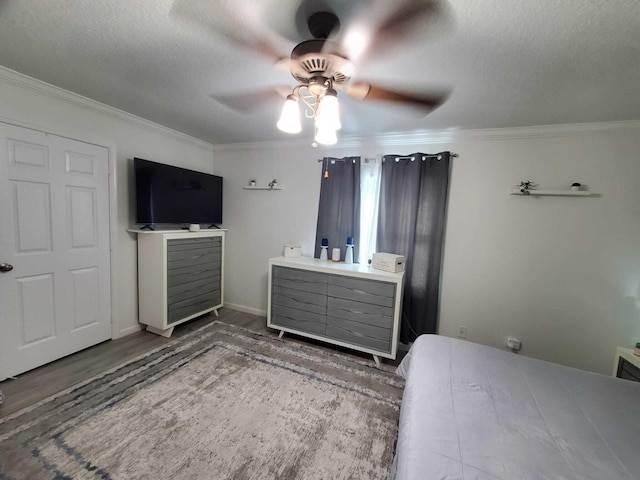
(5, 267)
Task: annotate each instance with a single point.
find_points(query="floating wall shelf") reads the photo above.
(247, 187)
(515, 190)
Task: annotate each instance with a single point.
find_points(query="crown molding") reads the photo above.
(38, 86)
(544, 131)
(449, 136)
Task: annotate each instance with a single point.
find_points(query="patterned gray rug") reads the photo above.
(219, 403)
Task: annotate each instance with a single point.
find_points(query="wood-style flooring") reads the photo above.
(40, 383)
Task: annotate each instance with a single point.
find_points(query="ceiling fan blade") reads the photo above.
(374, 30)
(366, 91)
(238, 23)
(252, 102)
(408, 13)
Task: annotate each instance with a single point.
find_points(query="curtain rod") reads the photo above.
(333, 160)
(424, 157)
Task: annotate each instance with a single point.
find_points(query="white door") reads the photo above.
(54, 232)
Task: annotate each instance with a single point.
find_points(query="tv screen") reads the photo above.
(166, 194)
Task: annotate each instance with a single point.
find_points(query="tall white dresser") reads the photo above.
(180, 277)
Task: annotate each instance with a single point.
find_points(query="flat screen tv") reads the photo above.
(173, 195)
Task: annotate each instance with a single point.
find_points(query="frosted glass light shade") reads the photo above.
(326, 136)
(328, 115)
(290, 118)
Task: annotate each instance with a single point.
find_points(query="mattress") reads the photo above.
(476, 412)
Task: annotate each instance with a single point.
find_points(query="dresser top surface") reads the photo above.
(337, 268)
(176, 231)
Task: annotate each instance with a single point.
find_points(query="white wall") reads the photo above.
(261, 222)
(30, 103)
(561, 273)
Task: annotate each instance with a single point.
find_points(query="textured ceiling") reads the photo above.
(507, 63)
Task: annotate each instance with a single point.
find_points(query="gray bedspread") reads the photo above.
(475, 412)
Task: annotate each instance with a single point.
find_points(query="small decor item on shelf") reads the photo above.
(335, 255)
(348, 255)
(252, 183)
(637, 352)
(292, 251)
(525, 187)
(273, 184)
(389, 262)
(323, 250)
(575, 187)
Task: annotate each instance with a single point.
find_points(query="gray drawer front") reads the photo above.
(359, 334)
(300, 280)
(201, 254)
(628, 370)
(360, 290)
(360, 312)
(308, 301)
(297, 319)
(190, 274)
(212, 265)
(181, 309)
(181, 244)
(191, 289)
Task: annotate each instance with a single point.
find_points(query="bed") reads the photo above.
(476, 412)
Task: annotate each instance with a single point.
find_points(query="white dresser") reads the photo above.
(351, 305)
(180, 277)
(627, 364)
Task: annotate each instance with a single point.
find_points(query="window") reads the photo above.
(369, 199)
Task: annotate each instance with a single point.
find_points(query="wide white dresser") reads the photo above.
(350, 305)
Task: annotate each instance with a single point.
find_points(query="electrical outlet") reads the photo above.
(514, 344)
(462, 332)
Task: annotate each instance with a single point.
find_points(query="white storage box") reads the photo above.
(388, 262)
(292, 251)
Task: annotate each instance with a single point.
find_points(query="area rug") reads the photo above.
(219, 403)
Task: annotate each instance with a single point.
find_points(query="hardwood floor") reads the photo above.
(40, 383)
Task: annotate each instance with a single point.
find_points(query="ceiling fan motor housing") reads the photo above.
(323, 24)
(316, 58)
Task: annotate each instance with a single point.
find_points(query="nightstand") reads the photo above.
(626, 364)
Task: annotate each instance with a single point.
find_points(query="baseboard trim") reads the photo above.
(245, 309)
(129, 331)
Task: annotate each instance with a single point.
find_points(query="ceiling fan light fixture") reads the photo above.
(328, 114)
(289, 121)
(326, 136)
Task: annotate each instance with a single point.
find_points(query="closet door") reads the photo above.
(54, 248)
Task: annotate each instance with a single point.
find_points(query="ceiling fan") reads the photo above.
(326, 64)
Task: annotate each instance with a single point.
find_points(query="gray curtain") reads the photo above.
(413, 199)
(339, 208)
